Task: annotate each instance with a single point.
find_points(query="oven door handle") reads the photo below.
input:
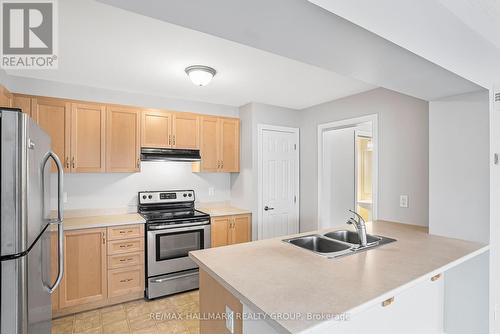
(173, 229)
(165, 279)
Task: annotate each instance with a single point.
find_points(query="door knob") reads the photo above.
(266, 208)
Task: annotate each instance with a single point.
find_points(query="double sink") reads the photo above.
(337, 243)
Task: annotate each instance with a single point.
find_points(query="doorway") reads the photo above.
(278, 181)
(347, 170)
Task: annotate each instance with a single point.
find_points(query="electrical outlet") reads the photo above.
(65, 197)
(403, 201)
(229, 319)
(211, 191)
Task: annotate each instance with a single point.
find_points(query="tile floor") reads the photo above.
(137, 317)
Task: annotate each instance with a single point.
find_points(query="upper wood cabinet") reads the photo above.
(156, 128)
(54, 117)
(185, 131)
(5, 97)
(169, 129)
(219, 144)
(22, 102)
(85, 276)
(87, 137)
(122, 139)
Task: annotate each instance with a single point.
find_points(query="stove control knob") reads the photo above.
(143, 196)
(185, 195)
(190, 195)
(150, 196)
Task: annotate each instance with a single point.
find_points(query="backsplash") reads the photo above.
(119, 190)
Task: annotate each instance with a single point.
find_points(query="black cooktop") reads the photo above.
(169, 215)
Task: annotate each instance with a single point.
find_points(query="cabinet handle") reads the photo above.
(126, 280)
(126, 246)
(103, 238)
(436, 277)
(138, 163)
(169, 139)
(67, 162)
(388, 302)
(222, 164)
(73, 162)
(174, 140)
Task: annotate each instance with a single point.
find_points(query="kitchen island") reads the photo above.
(281, 288)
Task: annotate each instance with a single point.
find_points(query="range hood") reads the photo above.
(169, 154)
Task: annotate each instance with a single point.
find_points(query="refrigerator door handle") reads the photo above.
(59, 220)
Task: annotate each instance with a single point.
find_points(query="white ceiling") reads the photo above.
(107, 47)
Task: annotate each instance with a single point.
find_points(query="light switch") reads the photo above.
(211, 191)
(229, 319)
(65, 197)
(403, 201)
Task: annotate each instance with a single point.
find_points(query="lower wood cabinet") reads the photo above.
(229, 230)
(84, 279)
(98, 271)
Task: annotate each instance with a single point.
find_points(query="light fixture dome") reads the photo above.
(200, 75)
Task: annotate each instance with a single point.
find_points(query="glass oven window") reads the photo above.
(178, 244)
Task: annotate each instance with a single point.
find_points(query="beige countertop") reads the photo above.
(102, 221)
(226, 210)
(274, 277)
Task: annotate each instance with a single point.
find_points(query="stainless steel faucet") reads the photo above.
(360, 226)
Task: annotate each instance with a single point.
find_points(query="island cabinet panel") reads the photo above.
(5, 97)
(229, 230)
(419, 309)
(186, 131)
(122, 139)
(88, 129)
(54, 117)
(156, 129)
(84, 279)
(214, 299)
(22, 102)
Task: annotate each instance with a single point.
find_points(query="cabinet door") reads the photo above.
(5, 97)
(241, 229)
(156, 129)
(122, 139)
(84, 278)
(54, 117)
(87, 138)
(186, 131)
(230, 145)
(220, 231)
(209, 133)
(22, 102)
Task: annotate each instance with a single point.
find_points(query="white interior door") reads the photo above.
(279, 170)
(338, 190)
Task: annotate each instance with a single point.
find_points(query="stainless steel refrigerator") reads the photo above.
(25, 228)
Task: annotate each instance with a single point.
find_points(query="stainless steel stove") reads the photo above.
(173, 229)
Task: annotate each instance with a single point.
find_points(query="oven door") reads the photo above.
(168, 248)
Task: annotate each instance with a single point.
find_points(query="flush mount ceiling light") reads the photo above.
(200, 75)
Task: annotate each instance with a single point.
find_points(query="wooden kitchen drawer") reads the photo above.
(125, 246)
(125, 232)
(124, 281)
(125, 260)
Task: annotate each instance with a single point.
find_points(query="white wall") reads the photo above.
(338, 177)
(70, 91)
(119, 190)
(403, 153)
(459, 167)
